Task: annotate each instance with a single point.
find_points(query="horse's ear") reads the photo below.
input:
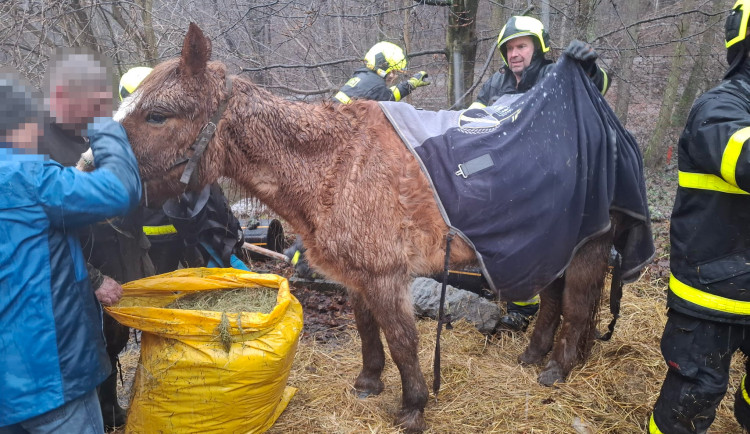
(196, 50)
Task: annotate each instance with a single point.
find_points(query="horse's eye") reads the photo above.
(156, 118)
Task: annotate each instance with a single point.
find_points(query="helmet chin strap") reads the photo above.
(736, 57)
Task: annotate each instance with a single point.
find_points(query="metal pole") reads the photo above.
(458, 74)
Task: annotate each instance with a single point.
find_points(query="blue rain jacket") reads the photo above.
(51, 340)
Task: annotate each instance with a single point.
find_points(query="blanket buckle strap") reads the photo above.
(475, 165)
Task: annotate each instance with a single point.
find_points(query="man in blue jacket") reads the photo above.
(116, 250)
(53, 353)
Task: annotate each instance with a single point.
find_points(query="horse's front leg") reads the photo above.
(373, 357)
(393, 309)
(546, 324)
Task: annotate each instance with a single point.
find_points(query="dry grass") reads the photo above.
(237, 300)
(485, 390)
(256, 299)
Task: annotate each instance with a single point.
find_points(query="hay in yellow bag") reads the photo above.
(189, 380)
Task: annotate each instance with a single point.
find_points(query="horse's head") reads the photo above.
(166, 115)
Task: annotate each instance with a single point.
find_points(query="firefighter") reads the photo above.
(197, 229)
(523, 43)
(383, 61)
(709, 299)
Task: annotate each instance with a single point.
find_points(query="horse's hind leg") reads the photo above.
(391, 303)
(546, 324)
(584, 280)
(373, 357)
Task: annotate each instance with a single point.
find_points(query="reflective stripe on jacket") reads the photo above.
(51, 337)
(366, 84)
(710, 229)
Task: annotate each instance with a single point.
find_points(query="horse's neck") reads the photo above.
(282, 152)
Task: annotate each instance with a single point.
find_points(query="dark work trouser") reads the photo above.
(698, 354)
(526, 308)
(166, 255)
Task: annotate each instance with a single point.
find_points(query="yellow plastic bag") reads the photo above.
(186, 381)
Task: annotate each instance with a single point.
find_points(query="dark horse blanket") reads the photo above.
(530, 179)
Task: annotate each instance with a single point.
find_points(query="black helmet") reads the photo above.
(736, 36)
(523, 26)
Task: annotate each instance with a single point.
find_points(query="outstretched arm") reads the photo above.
(406, 87)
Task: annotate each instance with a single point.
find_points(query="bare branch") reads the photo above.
(300, 91)
(435, 2)
(659, 18)
(336, 62)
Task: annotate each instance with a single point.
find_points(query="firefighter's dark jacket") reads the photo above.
(504, 82)
(366, 84)
(194, 219)
(710, 226)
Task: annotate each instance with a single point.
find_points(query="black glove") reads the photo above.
(296, 255)
(584, 53)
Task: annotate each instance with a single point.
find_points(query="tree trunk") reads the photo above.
(149, 37)
(407, 26)
(625, 64)
(697, 75)
(497, 21)
(461, 41)
(82, 35)
(656, 150)
(584, 28)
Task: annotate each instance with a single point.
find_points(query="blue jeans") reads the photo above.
(82, 415)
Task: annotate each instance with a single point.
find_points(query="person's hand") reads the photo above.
(419, 80)
(86, 162)
(584, 53)
(296, 256)
(109, 293)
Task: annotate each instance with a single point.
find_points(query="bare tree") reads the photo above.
(306, 49)
(656, 149)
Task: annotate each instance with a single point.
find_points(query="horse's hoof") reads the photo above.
(362, 394)
(551, 374)
(411, 421)
(363, 389)
(530, 358)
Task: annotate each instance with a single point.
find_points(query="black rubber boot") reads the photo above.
(296, 255)
(113, 415)
(514, 321)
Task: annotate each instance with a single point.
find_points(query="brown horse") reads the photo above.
(340, 175)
